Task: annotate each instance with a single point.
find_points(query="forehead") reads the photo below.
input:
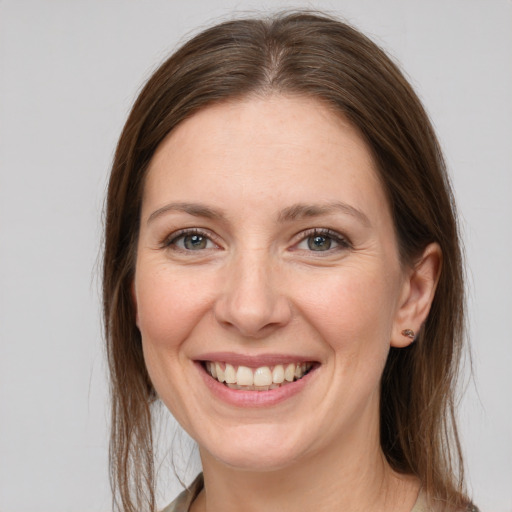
(276, 148)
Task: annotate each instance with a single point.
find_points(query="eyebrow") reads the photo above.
(295, 212)
(301, 211)
(195, 209)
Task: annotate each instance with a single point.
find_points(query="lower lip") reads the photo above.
(240, 398)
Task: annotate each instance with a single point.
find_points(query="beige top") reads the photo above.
(184, 500)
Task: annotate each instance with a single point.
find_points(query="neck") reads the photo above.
(352, 477)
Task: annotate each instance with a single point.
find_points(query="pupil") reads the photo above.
(195, 242)
(319, 243)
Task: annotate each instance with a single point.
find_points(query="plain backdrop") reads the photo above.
(69, 71)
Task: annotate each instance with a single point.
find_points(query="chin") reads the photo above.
(257, 452)
(255, 461)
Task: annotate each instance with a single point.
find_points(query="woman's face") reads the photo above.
(267, 251)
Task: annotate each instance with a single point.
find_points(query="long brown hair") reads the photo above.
(317, 56)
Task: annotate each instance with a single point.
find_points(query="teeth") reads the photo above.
(289, 373)
(230, 374)
(278, 374)
(220, 373)
(259, 379)
(263, 376)
(244, 376)
(252, 388)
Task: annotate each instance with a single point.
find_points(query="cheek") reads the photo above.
(352, 310)
(168, 306)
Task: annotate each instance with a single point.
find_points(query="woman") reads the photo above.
(282, 270)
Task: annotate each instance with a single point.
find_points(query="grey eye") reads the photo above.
(319, 243)
(194, 242)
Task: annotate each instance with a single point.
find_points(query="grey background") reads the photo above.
(69, 71)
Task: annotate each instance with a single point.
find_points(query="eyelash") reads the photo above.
(170, 241)
(341, 241)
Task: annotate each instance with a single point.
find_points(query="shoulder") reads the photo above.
(422, 505)
(186, 497)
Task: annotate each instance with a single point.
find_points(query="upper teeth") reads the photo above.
(263, 376)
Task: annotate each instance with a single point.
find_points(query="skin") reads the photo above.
(256, 287)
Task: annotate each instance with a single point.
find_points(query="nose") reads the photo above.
(250, 301)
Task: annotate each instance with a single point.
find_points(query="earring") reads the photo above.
(409, 333)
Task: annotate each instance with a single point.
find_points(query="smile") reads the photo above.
(263, 378)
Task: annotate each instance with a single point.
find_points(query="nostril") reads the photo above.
(252, 317)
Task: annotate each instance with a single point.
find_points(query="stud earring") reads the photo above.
(409, 333)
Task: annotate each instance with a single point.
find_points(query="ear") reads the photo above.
(134, 302)
(418, 292)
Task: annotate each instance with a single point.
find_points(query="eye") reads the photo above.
(322, 240)
(193, 242)
(189, 240)
(319, 243)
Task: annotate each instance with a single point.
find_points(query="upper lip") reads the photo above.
(253, 361)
